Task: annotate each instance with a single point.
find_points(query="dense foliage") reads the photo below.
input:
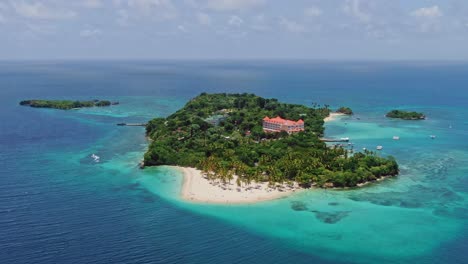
(64, 104)
(345, 110)
(238, 145)
(405, 115)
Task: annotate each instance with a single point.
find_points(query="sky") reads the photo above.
(234, 29)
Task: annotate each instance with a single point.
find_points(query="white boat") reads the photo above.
(379, 147)
(95, 157)
(345, 139)
(433, 136)
(396, 138)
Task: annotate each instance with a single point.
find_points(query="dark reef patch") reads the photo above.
(298, 206)
(330, 217)
(417, 196)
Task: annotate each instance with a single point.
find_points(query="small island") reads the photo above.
(345, 110)
(262, 145)
(66, 104)
(406, 115)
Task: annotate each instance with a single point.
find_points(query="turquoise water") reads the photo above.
(58, 205)
(395, 220)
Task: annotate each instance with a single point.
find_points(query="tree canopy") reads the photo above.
(64, 104)
(345, 110)
(406, 115)
(237, 144)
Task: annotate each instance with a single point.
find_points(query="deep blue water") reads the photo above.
(57, 206)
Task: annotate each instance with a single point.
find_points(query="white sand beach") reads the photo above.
(198, 188)
(332, 117)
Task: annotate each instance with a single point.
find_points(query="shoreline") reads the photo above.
(197, 188)
(333, 117)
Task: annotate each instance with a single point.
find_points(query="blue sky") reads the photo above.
(234, 29)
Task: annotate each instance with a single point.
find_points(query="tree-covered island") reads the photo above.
(234, 134)
(406, 115)
(344, 110)
(66, 104)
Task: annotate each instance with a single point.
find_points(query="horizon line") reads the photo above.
(227, 59)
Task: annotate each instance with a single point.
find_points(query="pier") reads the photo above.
(334, 139)
(132, 124)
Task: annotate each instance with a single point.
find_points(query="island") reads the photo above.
(257, 143)
(406, 115)
(345, 110)
(66, 104)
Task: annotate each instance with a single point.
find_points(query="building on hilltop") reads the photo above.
(279, 124)
(215, 119)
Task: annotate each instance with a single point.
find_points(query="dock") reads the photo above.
(334, 139)
(132, 124)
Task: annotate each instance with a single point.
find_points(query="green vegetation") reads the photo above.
(64, 104)
(406, 115)
(345, 110)
(237, 144)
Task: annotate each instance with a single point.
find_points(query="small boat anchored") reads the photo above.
(95, 157)
(379, 147)
(432, 136)
(396, 138)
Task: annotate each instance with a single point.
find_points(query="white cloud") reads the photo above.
(157, 9)
(235, 21)
(203, 19)
(292, 26)
(86, 33)
(260, 23)
(427, 12)
(182, 28)
(231, 5)
(148, 4)
(313, 11)
(353, 8)
(92, 3)
(427, 18)
(38, 10)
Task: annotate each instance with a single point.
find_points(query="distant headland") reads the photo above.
(406, 115)
(267, 148)
(66, 104)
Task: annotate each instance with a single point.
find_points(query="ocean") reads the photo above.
(59, 206)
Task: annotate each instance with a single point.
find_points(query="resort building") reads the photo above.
(215, 119)
(279, 124)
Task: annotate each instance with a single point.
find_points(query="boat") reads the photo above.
(344, 139)
(432, 136)
(379, 147)
(396, 138)
(95, 157)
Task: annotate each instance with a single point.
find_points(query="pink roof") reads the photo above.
(282, 121)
